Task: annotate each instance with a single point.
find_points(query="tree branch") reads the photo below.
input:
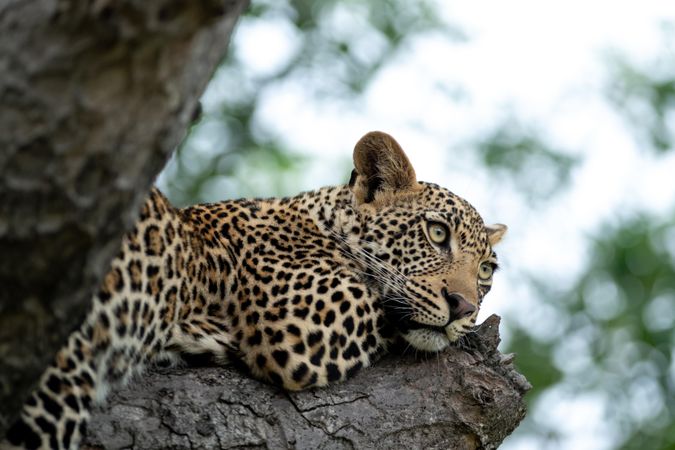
(464, 398)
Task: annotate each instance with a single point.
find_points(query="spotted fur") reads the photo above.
(303, 291)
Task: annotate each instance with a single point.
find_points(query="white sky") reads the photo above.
(541, 62)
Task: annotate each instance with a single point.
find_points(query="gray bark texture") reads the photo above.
(463, 398)
(94, 95)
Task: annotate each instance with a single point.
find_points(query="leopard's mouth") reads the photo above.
(401, 318)
(413, 325)
(422, 336)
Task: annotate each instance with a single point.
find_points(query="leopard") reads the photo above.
(301, 291)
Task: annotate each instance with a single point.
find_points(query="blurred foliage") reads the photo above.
(614, 334)
(618, 334)
(522, 157)
(336, 49)
(646, 95)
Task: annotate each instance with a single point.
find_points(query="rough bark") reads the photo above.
(464, 398)
(94, 95)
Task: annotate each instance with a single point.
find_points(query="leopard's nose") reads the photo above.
(459, 307)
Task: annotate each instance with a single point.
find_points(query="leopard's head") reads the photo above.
(424, 249)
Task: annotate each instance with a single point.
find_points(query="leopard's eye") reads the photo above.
(438, 233)
(485, 271)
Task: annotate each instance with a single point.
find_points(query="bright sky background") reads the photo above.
(541, 62)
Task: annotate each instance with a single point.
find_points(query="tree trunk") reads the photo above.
(466, 398)
(94, 95)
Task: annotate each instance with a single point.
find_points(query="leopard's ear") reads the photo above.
(495, 233)
(382, 169)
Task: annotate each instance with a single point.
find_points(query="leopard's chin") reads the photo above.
(426, 339)
(432, 338)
